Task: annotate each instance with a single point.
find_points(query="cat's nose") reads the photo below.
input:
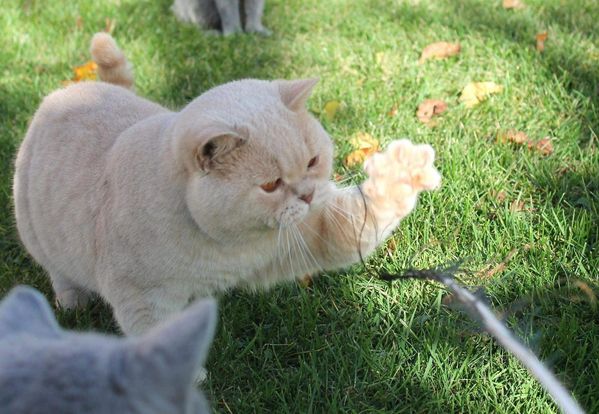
(307, 198)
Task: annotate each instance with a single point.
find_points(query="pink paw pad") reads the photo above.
(397, 175)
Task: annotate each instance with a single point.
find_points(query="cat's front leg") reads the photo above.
(356, 220)
(253, 17)
(230, 19)
(137, 309)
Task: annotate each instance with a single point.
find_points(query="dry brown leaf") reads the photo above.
(391, 246)
(542, 146)
(364, 145)
(330, 109)
(306, 280)
(79, 23)
(541, 38)
(513, 4)
(587, 290)
(517, 206)
(500, 196)
(476, 92)
(393, 111)
(517, 137)
(500, 267)
(429, 108)
(513, 136)
(439, 50)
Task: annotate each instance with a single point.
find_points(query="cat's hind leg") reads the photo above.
(68, 295)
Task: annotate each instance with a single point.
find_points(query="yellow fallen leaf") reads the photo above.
(330, 109)
(365, 145)
(476, 92)
(384, 62)
(85, 72)
(513, 4)
(363, 140)
(439, 50)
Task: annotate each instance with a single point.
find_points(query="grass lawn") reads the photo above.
(352, 343)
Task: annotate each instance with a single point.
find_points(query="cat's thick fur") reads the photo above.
(224, 15)
(149, 208)
(44, 369)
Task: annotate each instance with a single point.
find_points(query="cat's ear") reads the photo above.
(201, 150)
(176, 350)
(295, 93)
(27, 310)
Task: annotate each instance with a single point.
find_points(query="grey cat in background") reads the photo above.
(224, 15)
(44, 369)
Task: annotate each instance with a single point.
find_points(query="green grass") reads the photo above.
(351, 343)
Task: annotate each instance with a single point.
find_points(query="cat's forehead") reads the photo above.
(285, 145)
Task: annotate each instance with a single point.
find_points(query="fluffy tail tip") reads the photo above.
(113, 66)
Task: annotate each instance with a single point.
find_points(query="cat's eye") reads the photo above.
(271, 186)
(313, 162)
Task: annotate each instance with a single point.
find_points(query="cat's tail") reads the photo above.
(113, 66)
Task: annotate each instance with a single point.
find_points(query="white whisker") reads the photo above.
(307, 248)
(345, 213)
(289, 251)
(335, 221)
(314, 232)
(279, 255)
(299, 247)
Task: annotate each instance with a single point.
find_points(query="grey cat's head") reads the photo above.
(44, 369)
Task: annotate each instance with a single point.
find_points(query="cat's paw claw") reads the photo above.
(397, 175)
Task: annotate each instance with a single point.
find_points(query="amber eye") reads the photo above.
(272, 185)
(313, 162)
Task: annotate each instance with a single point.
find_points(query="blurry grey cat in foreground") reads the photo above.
(44, 369)
(225, 15)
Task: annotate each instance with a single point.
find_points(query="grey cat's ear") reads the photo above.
(176, 349)
(202, 150)
(295, 93)
(26, 310)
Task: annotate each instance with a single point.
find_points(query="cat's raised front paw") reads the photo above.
(397, 175)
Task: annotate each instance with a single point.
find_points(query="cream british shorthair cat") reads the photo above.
(150, 208)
